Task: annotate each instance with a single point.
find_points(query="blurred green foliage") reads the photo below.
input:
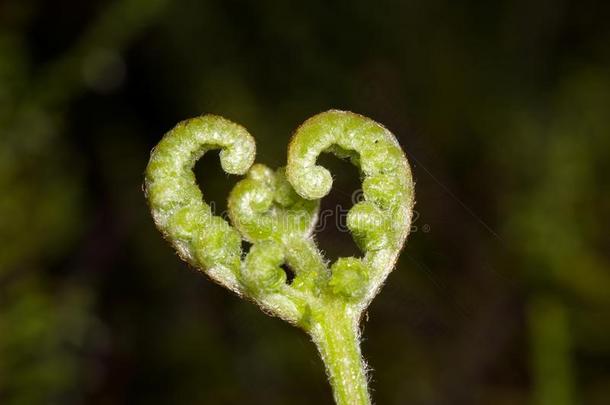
(502, 294)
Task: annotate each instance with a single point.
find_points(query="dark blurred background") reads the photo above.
(502, 295)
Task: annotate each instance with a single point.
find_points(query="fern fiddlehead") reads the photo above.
(276, 212)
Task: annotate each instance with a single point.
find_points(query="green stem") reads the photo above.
(336, 334)
(551, 351)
